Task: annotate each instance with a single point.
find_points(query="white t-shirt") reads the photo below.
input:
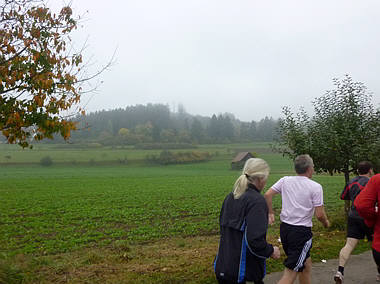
(299, 197)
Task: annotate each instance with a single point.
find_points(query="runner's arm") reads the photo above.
(345, 193)
(255, 233)
(320, 214)
(268, 198)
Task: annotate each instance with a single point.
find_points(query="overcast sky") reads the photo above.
(248, 58)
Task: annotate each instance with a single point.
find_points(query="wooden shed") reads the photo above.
(239, 161)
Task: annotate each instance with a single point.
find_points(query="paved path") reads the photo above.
(360, 269)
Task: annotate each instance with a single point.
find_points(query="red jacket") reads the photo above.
(365, 204)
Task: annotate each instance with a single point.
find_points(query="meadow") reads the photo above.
(90, 218)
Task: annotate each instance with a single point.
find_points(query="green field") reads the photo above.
(97, 203)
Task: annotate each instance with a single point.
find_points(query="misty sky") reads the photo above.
(248, 58)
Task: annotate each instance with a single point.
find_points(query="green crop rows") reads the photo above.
(48, 210)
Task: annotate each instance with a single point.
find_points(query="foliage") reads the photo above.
(46, 161)
(123, 160)
(254, 154)
(221, 128)
(154, 123)
(150, 146)
(123, 131)
(343, 131)
(197, 132)
(66, 153)
(40, 75)
(167, 157)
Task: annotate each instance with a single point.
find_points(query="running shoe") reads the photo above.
(338, 277)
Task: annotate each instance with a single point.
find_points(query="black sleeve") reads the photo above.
(345, 195)
(221, 212)
(255, 234)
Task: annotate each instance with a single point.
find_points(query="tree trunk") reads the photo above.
(347, 204)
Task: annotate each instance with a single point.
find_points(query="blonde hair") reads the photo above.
(254, 170)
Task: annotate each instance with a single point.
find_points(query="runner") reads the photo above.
(243, 248)
(366, 204)
(301, 197)
(356, 228)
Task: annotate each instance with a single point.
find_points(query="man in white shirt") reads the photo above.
(301, 198)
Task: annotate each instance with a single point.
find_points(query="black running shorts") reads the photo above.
(357, 229)
(296, 242)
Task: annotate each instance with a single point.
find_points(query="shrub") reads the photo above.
(151, 159)
(46, 161)
(94, 145)
(78, 145)
(167, 157)
(254, 154)
(123, 160)
(153, 146)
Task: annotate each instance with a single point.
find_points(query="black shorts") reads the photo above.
(357, 229)
(296, 242)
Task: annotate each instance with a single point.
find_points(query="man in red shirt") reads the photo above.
(366, 204)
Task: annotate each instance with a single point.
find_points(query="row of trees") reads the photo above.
(155, 123)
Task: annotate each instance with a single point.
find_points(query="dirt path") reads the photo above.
(360, 269)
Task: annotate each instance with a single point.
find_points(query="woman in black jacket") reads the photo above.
(243, 221)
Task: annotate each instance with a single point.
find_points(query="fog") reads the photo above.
(248, 58)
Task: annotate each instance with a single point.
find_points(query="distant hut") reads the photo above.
(239, 161)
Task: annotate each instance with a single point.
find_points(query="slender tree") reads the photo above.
(343, 131)
(197, 131)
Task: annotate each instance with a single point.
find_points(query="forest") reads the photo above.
(155, 123)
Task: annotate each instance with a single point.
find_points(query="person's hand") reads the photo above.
(271, 218)
(276, 253)
(327, 224)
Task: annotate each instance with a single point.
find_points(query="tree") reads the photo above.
(252, 130)
(197, 131)
(213, 128)
(40, 75)
(265, 129)
(123, 132)
(167, 135)
(226, 128)
(343, 131)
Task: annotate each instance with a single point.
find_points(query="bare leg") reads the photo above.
(305, 276)
(288, 277)
(346, 251)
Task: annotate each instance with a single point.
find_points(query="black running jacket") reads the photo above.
(243, 249)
